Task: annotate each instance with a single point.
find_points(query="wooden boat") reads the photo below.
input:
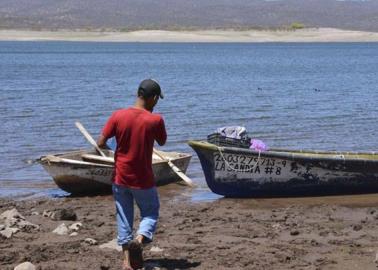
(239, 172)
(85, 172)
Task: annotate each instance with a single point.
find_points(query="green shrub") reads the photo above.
(296, 25)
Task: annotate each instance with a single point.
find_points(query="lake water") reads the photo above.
(303, 96)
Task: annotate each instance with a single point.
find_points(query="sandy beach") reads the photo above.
(300, 233)
(301, 35)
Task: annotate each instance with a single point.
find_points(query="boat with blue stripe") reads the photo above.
(241, 172)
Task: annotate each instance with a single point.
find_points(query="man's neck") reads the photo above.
(140, 104)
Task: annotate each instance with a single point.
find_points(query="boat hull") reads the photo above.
(236, 172)
(79, 177)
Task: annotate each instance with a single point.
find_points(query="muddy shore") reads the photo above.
(303, 233)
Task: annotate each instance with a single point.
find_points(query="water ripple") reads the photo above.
(269, 88)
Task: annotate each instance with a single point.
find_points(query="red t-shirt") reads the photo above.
(135, 131)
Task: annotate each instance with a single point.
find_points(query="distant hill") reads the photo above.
(187, 14)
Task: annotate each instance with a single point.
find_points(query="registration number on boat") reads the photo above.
(247, 164)
(100, 172)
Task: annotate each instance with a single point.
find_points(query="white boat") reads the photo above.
(86, 172)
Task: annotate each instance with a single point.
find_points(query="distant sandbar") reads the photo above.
(301, 35)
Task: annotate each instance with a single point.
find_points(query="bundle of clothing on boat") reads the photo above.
(236, 136)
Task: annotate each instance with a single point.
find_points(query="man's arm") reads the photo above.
(107, 132)
(101, 142)
(161, 133)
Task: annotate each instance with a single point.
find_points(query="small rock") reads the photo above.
(35, 213)
(376, 257)
(357, 227)
(205, 209)
(74, 234)
(64, 214)
(323, 233)
(12, 218)
(2, 227)
(98, 223)
(7, 215)
(25, 266)
(47, 213)
(156, 249)
(27, 226)
(75, 227)
(314, 243)
(152, 266)
(61, 229)
(8, 232)
(111, 245)
(294, 233)
(90, 241)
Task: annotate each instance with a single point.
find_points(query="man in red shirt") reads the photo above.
(135, 129)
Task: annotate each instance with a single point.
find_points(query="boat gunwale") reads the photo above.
(65, 161)
(289, 154)
(57, 159)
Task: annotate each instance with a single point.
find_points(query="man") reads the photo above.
(135, 129)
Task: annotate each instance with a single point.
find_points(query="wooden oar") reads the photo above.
(182, 175)
(186, 179)
(89, 138)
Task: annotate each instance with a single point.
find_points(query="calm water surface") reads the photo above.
(307, 96)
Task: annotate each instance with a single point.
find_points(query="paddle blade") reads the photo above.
(182, 175)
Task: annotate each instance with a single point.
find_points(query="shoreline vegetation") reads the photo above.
(291, 34)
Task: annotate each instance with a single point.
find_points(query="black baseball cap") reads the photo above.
(149, 88)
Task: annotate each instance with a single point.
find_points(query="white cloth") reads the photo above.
(235, 132)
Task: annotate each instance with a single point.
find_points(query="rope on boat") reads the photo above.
(233, 168)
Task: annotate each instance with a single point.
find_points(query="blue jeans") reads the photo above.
(147, 201)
